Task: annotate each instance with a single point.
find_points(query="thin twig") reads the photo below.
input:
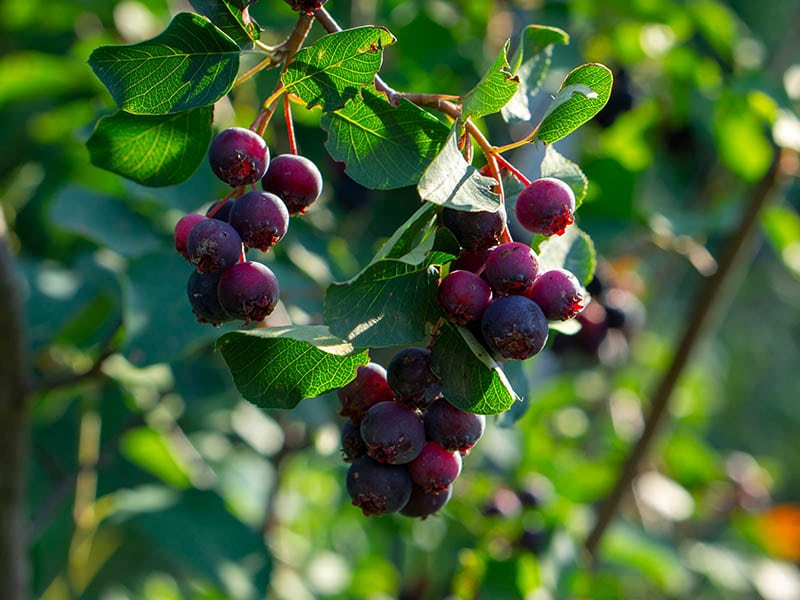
(709, 299)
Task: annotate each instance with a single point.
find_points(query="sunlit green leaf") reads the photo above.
(383, 147)
(333, 69)
(230, 19)
(280, 366)
(493, 91)
(189, 65)
(153, 150)
(573, 251)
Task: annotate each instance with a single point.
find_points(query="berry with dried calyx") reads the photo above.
(514, 327)
(393, 433)
(475, 231)
(558, 293)
(204, 298)
(248, 291)
(546, 206)
(511, 268)
(213, 245)
(295, 179)
(378, 488)
(411, 379)
(464, 296)
(182, 229)
(369, 387)
(453, 429)
(238, 156)
(260, 218)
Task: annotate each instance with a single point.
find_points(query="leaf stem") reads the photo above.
(710, 297)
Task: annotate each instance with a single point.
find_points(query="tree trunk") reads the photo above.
(13, 430)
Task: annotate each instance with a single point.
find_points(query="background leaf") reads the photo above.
(280, 366)
(153, 150)
(382, 146)
(530, 63)
(471, 379)
(493, 91)
(388, 304)
(583, 93)
(189, 65)
(573, 251)
(452, 182)
(333, 69)
(230, 20)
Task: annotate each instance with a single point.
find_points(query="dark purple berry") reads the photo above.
(533, 539)
(238, 156)
(260, 218)
(248, 291)
(377, 488)
(220, 210)
(546, 206)
(435, 468)
(295, 179)
(213, 245)
(475, 231)
(453, 429)
(511, 268)
(558, 293)
(182, 229)
(369, 387)
(464, 296)
(469, 261)
(204, 299)
(410, 376)
(423, 504)
(353, 445)
(514, 327)
(393, 432)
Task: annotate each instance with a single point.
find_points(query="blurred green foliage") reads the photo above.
(151, 478)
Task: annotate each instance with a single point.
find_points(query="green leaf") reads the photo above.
(152, 451)
(493, 91)
(556, 165)
(471, 379)
(389, 303)
(153, 150)
(452, 182)
(573, 251)
(188, 65)
(279, 367)
(531, 63)
(405, 237)
(382, 146)
(333, 69)
(106, 220)
(230, 19)
(583, 93)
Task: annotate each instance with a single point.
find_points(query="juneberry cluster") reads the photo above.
(224, 285)
(497, 287)
(404, 441)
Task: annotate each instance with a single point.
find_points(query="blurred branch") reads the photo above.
(709, 300)
(14, 394)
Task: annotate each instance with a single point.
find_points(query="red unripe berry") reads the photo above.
(546, 206)
(295, 179)
(238, 156)
(435, 468)
(182, 229)
(511, 268)
(558, 293)
(369, 387)
(260, 218)
(248, 291)
(464, 296)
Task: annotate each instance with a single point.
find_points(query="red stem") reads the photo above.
(513, 170)
(287, 114)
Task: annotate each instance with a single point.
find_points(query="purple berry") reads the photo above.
(393, 433)
(353, 445)
(470, 261)
(410, 376)
(295, 179)
(435, 468)
(423, 504)
(182, 229)
(213, 245)
(514, 327)
(546, 206)
(248, 291)
(306, 6)
(260, 218)
(377, 488)
(511, 268)
(464, 296)
(204, 299)
(238, 156)
(558, 293)
(367, 389)
(475, 231)
(453, 429)
(220, 210)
